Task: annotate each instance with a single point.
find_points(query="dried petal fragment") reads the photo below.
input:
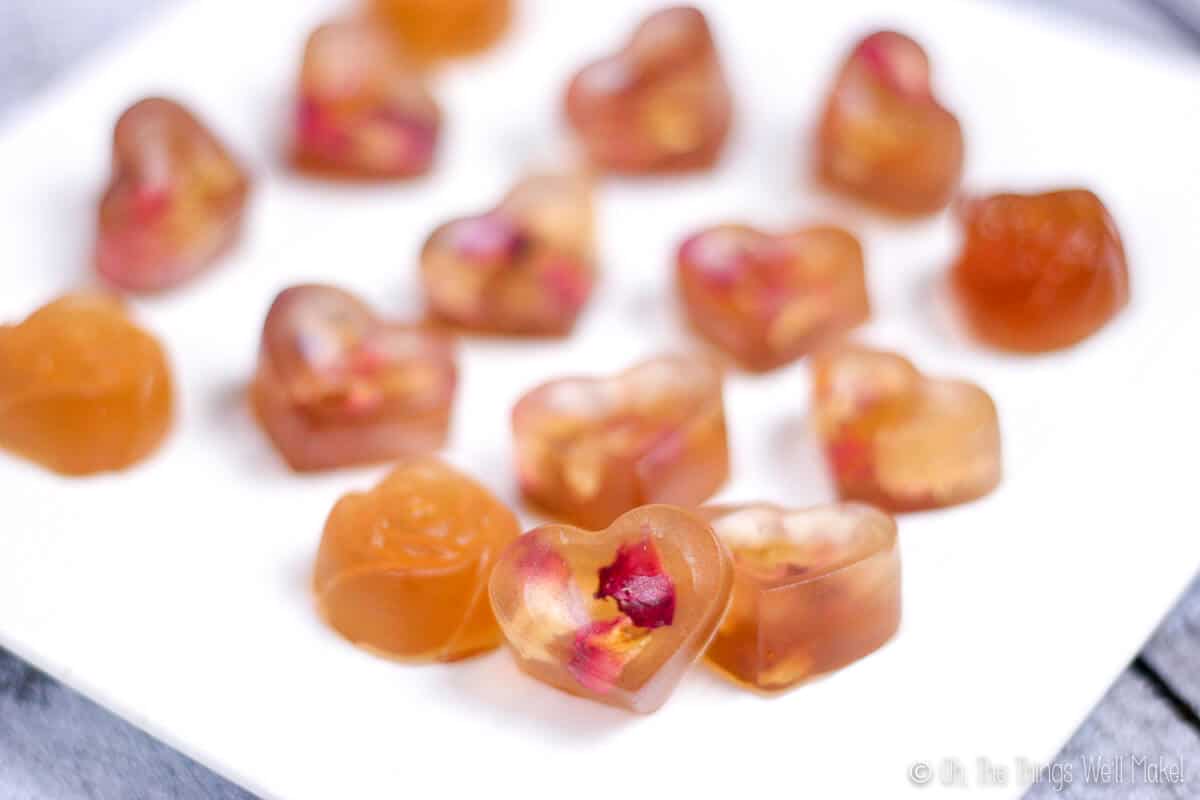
(337, 386)
(362, 111)
(661, 104)
(770, 299)
(814, 590)
(402, 569)
(82, 388)
(1039, 272)
(525, 267)
(590, 449)
(899, 440)
(883, 137)
(638, 584)
(553, 590)
(175, 202)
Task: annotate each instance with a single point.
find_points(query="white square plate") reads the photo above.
(177, 593)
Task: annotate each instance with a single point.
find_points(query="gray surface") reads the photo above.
(57, 745)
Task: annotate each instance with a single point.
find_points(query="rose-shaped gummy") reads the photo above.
(337, 386)
(883, 137)
(616, 615)
(899, 440)
(814, 589)
(769, 299)
(362, 111)
(175, 202)
(524, 268)
(432, 29)
(82, 388)
(590, 449)
(403, 569)
(659, 105)
(1039, 272)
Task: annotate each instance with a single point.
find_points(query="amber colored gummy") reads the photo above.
(814, 590)
(590, 449)
(402, 570)
(884, 137)
(432, 29)
(899, 440)
(82, 388)
(1039, 272)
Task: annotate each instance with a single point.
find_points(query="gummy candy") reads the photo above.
(659, 105)
(884, 137)
(82, 388)
(336, 386)
(524, 268)
(617, 615)
(402, 569)
(175, 202)
(432, 29)
(767, 300)
(1039, 272)
(363, 112)
(813, 590)
(590, 449)
(899, 440)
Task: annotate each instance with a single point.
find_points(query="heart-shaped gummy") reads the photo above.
(175, 202)
(525, 268)
(590, 449)
(661, 104)
(884, 137)
(402, 569)
(363, 111)
(1039, 272)
(337, 386)
(899, 440)
(616, 615)
(769, 299)
(814, 589)
(82, 388)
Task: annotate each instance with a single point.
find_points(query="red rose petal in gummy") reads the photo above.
(616, 615)
(590, 449)
(770, 299)
(337, 386)
(899, 440)
(524, 268)
(1039, 272)
(884, 138)
(661, 104)
(638, 584)
(175, 203)
(362, 111)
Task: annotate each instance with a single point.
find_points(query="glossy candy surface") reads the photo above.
(617, 615)
(899, 440)
(82, 388)
(432, 29)
(525, 267)
(338, 386)
(402, 569)
(1039, 272)
(363, 111)
(884, 138)
(659, 105)
(175, 201)
(814, 590)
(769, 299)
(590, 449)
